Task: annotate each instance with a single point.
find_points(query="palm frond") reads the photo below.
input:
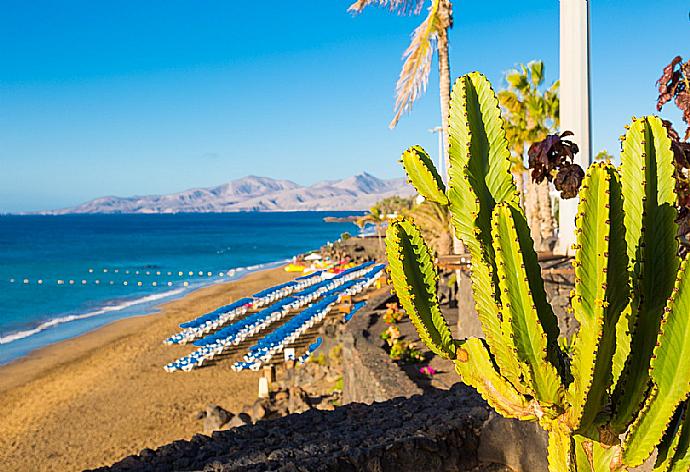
(434, 222)
(402, 7)
(418, 56)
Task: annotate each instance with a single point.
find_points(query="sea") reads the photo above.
(61, 276)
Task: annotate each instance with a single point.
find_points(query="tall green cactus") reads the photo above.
(622, 390)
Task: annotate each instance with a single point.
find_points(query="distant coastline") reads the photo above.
(252, 194)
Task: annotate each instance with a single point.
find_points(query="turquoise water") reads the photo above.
(61, 276)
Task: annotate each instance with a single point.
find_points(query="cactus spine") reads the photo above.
(622, 390)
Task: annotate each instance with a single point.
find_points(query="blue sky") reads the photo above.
(135, 97)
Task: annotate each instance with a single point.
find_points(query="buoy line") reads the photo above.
(101, 281)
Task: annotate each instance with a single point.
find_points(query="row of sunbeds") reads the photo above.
(217, 318)
(276, 341)
(233, 334)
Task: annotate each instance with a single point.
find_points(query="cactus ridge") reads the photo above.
(475, 367)
(669, 371)
(423, 175)
(650, 221)
(414, 279)
(595, 456)
(475, 186)
(670, 443)
(681, 453)
(561, 451)
(600, 293)
(520, 295)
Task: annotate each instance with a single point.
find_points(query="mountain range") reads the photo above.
(253, 193)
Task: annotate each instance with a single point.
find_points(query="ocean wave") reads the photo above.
(106, 309)
(255, 267)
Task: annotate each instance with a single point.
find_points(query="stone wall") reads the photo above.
(369, 375)
(437, 431)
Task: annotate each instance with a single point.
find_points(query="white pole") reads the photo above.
(575, 107)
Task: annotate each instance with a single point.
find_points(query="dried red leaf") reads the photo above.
(568, 180)
(673, 86)
(553, 159)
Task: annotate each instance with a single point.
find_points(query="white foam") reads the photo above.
(66, 319)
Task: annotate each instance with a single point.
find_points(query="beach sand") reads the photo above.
(92, 400)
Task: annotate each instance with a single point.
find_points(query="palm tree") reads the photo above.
(434, 220)
(530, 115)
(375, 217)
(430, 35)
(381, 212)
(394, 205)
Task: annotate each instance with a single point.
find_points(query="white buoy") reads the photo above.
(158, 272)
(127, 272)
(11, 281)
(97, 282)
(154, 283)
(169, 284)
(191, 273)
(169, 273)
(139, 284)
(201, 272)
(180, 273)
(91, 271)
(148, 273)
(26, 281)
(83, 282)
(71, 282)
(220, 274)
(209, 274)
(117, 270)
(112, 282)
(60, 282)
(186, 284)
(124, 283)
(136, 272)
(105, 270)
(40, 282)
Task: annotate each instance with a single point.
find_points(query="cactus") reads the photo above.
(621, 388)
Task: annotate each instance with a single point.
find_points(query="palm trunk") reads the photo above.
(445, 15)
(539, 214)
(546, 220)
(532, 212)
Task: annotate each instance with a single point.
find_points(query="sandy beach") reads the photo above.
(92, 400)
